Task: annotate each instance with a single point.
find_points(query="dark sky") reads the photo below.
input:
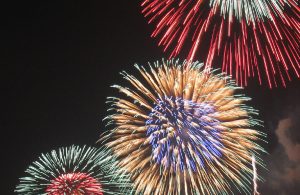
(58, 62)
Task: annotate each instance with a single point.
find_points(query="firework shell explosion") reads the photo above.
(179, 130)
(249, 38)
(75, 170)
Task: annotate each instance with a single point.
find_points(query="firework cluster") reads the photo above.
(183, 128)
(179, 129)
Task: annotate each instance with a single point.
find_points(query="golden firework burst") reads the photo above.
(180, 130)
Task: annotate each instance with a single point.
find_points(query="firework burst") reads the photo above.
(257, 38)
(74, 170)
(180, 130)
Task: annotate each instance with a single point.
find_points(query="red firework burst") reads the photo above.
(262, 43)
(75, 184)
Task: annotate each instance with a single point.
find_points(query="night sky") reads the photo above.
(57, 65)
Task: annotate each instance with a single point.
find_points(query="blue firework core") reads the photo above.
(183, 133)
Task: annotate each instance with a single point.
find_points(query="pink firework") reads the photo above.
(74, 183)
(258, 38)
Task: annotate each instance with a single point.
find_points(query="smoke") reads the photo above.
(292, 150)
(284, 163)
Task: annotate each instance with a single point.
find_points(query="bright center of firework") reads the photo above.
(75, 184)
(182, 133)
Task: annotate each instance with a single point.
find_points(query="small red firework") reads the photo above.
(74, 183)
(249, 39)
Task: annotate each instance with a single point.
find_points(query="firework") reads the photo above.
(180, 130)
(74, 170)
(255, 186)
(257, 38)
